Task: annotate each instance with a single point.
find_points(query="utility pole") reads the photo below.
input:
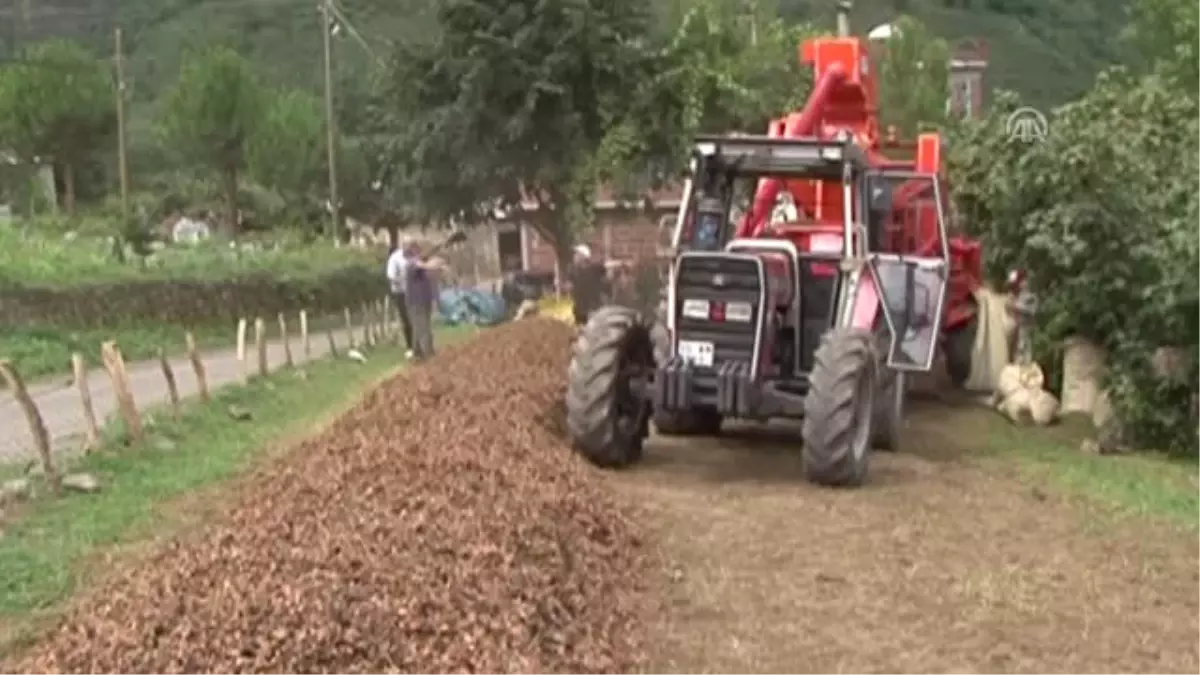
(330, 121)
(122, 158)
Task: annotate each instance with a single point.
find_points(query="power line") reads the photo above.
(340, 15)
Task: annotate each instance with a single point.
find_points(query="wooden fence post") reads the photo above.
(381, 323)
(37, 426)
(79, 368)
(114, 363)
(305, 344)
(368, 333)
(241, 349)
(198, 367)
(388, 319)
(172, 386)
(260, 346)
(333, 349)
(287, 341)
(349, 328)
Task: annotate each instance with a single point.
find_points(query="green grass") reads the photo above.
(1144, 484)
(45, 351)
(46, 546)
(40, 352)
(30, 257)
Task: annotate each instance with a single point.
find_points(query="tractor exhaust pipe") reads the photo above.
(843, 17)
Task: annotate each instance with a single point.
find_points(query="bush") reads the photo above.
(33, 259)
(1104, 216)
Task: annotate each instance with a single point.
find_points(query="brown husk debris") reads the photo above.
(439, 526)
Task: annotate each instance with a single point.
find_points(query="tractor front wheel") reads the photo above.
(607, 409)
(839, 409)
(699, 422)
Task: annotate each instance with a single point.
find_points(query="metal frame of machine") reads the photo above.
(738, 389)
(749, 331)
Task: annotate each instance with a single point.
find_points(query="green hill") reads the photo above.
(1049, 50)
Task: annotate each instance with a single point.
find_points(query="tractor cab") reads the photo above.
(848, 246)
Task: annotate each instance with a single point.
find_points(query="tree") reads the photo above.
(56, 103)
(211, 115)
(1104, 216)
(511, 104)
(720, 67)
(1166, 34)
(287, 150)
(913, 78)
(729, 68)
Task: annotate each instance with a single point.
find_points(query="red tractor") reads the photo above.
(835, 283)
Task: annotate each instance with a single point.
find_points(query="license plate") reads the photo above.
(696, 352)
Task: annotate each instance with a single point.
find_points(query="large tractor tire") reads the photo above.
(607, 417)
(698, 422)
(839, 409)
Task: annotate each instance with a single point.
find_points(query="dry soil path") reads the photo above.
(58, 399)
(939, 565)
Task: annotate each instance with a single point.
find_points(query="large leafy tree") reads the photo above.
(287, 150)
(1104, 215)
(717, 67)
(57, 104)
(1164, 34)
(211, 115)
(913, 78)
(512, 102)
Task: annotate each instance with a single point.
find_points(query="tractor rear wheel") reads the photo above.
(698, 422)
(839, 409)
(606, 406)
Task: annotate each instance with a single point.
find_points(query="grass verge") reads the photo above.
(1140, 484)
(40, 352)
(46, 547)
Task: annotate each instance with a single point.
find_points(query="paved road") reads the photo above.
(62, 411)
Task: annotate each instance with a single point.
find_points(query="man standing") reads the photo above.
(589, 284)
(420, 289)
(397, 274)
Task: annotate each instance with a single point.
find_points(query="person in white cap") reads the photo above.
(589, 284)
(397, 274)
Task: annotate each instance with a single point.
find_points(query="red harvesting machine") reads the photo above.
(814, 303)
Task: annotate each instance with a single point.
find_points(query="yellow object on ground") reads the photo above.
(560, 308)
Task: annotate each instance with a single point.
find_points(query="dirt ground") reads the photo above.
(442, 526)
(938, 565)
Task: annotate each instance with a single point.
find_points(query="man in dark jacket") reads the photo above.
(589, 284)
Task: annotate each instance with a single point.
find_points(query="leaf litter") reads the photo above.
(440, 526)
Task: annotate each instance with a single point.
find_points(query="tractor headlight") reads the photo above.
(695, 309)
(740, 312)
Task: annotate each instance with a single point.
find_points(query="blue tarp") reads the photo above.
(461, 305)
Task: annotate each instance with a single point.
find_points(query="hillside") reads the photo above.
(1047, 49)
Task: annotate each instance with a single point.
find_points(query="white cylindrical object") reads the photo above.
(1084, 365)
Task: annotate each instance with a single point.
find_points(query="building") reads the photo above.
(968, 64)
(623, 231)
